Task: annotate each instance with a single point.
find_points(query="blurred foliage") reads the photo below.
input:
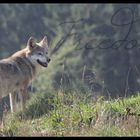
(80, 36)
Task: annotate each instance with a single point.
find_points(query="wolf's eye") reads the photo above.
(39, 53)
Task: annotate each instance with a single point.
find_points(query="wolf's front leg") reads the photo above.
(12, 97)
(24, 97)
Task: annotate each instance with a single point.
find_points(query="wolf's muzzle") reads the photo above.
(42, 63)
(49, 60)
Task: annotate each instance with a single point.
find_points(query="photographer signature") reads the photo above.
(105, 43)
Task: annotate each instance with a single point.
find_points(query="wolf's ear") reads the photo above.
(30, 43)
(44, 42)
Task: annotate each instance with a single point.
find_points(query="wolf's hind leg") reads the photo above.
(12, 97)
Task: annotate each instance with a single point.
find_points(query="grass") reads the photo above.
(74, 114)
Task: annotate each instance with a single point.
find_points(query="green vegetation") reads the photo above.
(74, 114)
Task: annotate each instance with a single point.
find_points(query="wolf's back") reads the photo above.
(15, 73)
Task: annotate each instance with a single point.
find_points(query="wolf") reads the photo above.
(18, 70)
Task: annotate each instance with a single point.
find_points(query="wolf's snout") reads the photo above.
(49, 60)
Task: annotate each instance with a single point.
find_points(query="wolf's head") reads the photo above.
(38, 53)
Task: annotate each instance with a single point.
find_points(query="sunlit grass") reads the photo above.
(73, 114)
